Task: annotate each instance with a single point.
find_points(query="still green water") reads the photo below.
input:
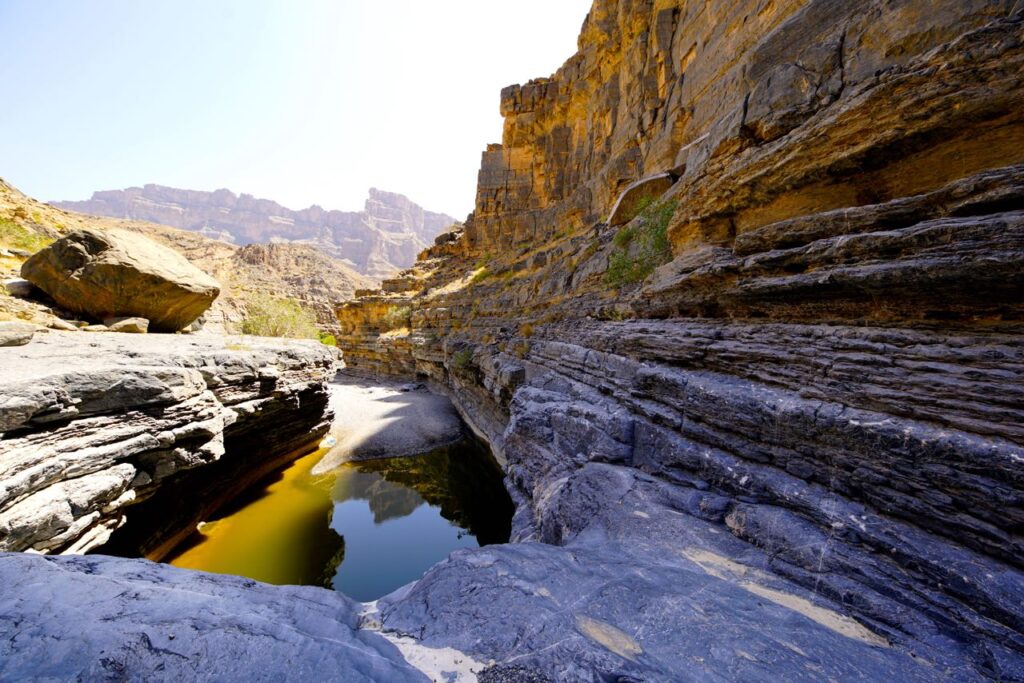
(364, 529)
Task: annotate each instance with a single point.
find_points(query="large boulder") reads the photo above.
(120, 274)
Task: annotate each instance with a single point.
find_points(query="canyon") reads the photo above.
(376, 242)
(760, 420)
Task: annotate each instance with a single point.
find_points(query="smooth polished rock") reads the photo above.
(15, 333)
(99, 618)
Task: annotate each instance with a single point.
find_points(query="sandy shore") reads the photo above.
(381, 419)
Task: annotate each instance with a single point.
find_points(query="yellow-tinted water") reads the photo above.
(365, 528)
(271, 537)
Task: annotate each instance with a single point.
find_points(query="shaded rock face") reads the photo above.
(814, 406)
(120, 274)
(91, 425)
(634, 197)
(384, 237)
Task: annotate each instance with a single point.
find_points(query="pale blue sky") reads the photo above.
(301, 101)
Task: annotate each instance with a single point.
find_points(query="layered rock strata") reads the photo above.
(91, 425)
(815, 401)
(793, 452)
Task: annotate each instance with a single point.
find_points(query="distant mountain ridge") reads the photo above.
(294, 270)
(383, 238)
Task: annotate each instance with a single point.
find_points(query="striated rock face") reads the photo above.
(91, 425)
(121, 274)
(814, 403)
(384, 237)
(793, 450)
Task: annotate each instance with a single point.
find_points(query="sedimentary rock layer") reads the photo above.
(793, 451)
(820, 384)
(93, 424)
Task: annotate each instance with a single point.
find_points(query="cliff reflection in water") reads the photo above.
(366, 528)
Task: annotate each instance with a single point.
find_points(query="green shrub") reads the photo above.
(481, 276)
(327, 339)
(462, 359)
(397, 317)
(14, 236)
(268, 316)
(641, 246)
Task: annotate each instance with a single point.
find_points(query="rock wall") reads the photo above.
(377, 241)
(93, 424)
(816, 396)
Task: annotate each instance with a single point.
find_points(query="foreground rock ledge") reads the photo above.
(91, 425)
(134, 620)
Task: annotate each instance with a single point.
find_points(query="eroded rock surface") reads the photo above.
(111, 619)
(114, 273)
(93, 424)
(794, 451)
(814, 405)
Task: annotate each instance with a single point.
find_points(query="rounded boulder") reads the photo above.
(116, 274)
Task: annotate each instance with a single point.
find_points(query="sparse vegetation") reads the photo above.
(462, 358)
(268, 316)
(397, 317)
(328, 339)
(526, 330)
(481, 275)
(642, 246)
(14, 236)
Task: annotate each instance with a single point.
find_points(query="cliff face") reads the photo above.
(377, 241)
(817, 394)
(659, 86)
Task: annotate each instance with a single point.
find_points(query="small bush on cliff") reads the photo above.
(328, 339)
(397, 317)
(642, 246)
(268, 316)
(462, 359)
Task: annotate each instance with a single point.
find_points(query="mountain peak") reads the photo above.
(378, 241)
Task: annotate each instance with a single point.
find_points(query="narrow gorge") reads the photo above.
(740, 314)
